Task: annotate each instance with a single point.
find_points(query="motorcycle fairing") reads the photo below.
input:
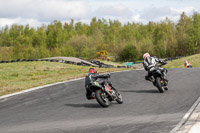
(95, 86)
(108, 87)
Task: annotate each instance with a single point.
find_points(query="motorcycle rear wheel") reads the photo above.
(101, 99)
(159, 86)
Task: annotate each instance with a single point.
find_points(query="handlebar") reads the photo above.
(161, 64)
(164, 63)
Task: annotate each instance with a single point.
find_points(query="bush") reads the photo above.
(129, 53)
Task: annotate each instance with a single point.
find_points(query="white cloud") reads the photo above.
(187, 10)
(158, 14)
(137, 18)
(45, 10)
(115, 10)
(37, 12)
(154, 13)
(19, 21)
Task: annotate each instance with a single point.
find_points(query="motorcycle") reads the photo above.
(159, 78)
(188, 65)
(104, 92)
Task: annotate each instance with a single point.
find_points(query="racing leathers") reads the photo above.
(149, 64)
(92, 77)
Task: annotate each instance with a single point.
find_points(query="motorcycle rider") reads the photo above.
(149, 64)
(187, 64)
(90, 78)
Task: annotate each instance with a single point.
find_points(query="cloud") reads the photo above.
(157, 14)
(154, 13)
(118, 10)
(37, 12)
(20, 21)
(44, 10)
(187, 10)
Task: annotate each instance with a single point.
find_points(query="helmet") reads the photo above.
(92, 70)
(146, 55)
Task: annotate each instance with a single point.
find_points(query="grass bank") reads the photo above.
(19, 76)
(179, 63)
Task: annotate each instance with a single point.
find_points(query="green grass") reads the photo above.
(19, 76)
(179, 63)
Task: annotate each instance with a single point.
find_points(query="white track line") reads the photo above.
(40, 87)
(186, 117)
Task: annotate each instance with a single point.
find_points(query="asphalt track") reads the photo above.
(63, 108)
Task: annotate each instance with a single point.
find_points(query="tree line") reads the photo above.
(124, 42)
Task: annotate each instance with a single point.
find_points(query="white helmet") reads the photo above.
(146, 55)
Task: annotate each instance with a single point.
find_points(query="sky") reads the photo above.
(38, 12)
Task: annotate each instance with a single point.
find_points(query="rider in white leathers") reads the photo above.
(149, 64)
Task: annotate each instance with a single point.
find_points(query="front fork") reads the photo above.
(111, 93)
(165, 78)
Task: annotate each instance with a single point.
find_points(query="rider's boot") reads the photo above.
(90, 96)
(166, 88)
(165, 84)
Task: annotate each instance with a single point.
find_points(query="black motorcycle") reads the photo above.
(159, 78)
(104, 92)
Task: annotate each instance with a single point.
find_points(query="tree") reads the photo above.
(194, 36)
(129, 53)
(183, 27)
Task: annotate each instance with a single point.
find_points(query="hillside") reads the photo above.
(179, 63)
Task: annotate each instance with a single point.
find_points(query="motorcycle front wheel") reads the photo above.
(159, 85)
(102, 99)
(119, 98)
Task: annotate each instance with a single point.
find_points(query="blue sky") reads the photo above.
(38, 12)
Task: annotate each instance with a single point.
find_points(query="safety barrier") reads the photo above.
(82, 63)
(101, 64)
(98, 63)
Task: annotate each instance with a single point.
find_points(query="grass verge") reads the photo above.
(19, 76)
(179, 63)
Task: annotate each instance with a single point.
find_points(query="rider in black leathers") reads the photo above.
(149, 64)
(91, 77)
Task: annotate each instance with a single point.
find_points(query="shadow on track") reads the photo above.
(86, 105)
(141, 91)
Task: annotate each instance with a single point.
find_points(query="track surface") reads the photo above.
(64, 109)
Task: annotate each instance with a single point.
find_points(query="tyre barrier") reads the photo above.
(138, 62)
(101, 64)
(121, 67)
(174, 58)
(82, 63)
(177, 57)
(48, 60)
